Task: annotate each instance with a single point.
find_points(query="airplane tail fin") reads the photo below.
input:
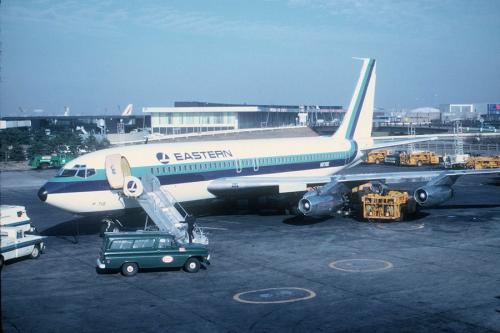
(357, 123)
(128, 110)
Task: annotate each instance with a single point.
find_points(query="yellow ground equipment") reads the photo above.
(392, 206)
(419, 158)
(376, 156)
(483, 162)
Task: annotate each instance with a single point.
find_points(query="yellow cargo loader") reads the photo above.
(392, 206)
(419, 158)
(376, 156)
(483, 162)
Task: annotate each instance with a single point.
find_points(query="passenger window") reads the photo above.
(164, 243)
(144, 243)
(121, 244)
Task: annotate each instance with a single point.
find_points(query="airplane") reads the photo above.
(202, 171)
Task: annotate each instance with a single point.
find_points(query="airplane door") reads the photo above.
(117, 168)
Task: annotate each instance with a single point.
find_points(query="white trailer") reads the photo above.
(15, 216)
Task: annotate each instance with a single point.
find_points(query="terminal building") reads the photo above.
(190, 117)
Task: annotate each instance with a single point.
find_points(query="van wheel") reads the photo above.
(130, 269)
(35, 253)
(44, 166)
(192, 265)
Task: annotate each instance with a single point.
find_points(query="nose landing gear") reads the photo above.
(110, 225)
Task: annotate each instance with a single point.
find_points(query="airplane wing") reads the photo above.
(238, 185)
(393, 142)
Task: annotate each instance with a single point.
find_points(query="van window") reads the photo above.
(143, 243)
(90, 172)
(164, 243)
(122, 244)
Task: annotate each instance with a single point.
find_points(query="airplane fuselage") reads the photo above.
(186, 169)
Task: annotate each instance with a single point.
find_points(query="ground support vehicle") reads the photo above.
(391, 206)
(394, 158)
(15, 216)
(14, 243)
(483, 162)
(376, 156)
(39, 161)
(455, 161)
(131, 251)
(419, 158)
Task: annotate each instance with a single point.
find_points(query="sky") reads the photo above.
(98, 56)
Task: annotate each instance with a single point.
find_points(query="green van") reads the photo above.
(131, 251)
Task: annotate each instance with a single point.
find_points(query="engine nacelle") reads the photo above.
(433, 195)
(322, 202)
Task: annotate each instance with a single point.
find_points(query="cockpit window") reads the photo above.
(77, 171)
(67, 173)
(81, 173)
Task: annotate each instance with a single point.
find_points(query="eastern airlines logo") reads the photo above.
(163, 158)
(194, 155)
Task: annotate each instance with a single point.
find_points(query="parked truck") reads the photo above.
(39, 161)
(419, 158)
(483, 162)
(376, 156)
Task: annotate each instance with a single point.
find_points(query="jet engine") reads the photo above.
(324, 201)
(433, 195)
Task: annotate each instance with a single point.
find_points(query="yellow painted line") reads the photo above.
(311, 294)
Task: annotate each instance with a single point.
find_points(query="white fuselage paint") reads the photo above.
(145, 156)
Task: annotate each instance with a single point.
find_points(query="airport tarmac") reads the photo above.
(439, 272)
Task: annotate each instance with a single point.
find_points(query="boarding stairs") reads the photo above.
(166, 212)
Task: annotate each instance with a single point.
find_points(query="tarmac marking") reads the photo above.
(269, 295)
(361, 265)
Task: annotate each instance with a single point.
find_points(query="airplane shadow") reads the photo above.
(418, 215)
(301, 220)
(472, 206)
(77, 226)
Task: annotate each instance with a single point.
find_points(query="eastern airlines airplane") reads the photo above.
(194, 171)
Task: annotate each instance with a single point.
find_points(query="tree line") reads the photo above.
(22, 144)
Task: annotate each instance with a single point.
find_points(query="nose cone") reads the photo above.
(42, 193)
